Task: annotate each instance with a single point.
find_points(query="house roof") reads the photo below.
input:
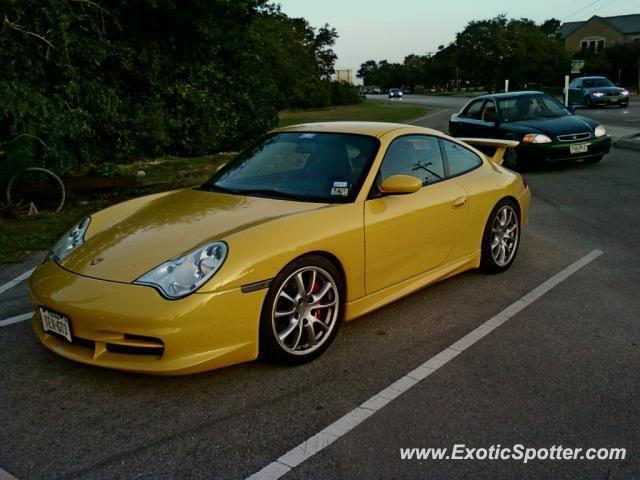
(625, 24)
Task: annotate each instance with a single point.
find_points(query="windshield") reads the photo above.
(596, 82)
(530, 107)
(304, 166)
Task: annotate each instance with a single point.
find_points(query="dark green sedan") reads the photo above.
(546, 130)
(597, 91)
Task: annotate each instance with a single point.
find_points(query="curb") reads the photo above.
(627, 144)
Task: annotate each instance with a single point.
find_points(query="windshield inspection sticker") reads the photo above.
(307, 135)
(340, 188)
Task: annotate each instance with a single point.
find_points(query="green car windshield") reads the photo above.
(596, 82)
(304, 166)
(530, 107)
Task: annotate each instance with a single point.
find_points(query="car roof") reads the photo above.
(510, 94)
(374, 129)
(591, 77)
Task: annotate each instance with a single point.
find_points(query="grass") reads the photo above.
(22, 235)
(367, 111)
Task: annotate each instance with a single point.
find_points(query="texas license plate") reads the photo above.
(578, 148)
(56, 323)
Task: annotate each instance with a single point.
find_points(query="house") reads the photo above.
(600, 32)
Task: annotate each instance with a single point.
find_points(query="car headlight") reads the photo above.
(535, 138)
(624, 93)
(69, 241)
(182, 276)
(600, 131)
(597, 94)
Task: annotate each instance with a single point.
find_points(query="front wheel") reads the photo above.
(501, 238)
(302, 311)
(587, 102)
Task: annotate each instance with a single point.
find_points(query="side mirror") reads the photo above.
(579, 87)
(400, 184)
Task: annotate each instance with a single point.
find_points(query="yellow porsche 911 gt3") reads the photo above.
(313, 225)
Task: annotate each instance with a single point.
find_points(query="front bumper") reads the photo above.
(561, 151)
(610, 100)
(131, 327)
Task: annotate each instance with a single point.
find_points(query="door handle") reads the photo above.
(459, 202)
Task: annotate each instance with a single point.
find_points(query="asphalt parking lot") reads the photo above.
(561, 370)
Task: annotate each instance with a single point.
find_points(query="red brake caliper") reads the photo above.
(318, 313)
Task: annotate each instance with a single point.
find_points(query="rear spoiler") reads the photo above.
(500, 146)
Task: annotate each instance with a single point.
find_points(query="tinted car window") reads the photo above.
(474, 110)
(415, 155)
(529, 107)
(459, 159)
(489, 112)
(596, 82)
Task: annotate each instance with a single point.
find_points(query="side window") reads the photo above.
(489, 113)
(459, 159)
(474, 110)
(414, 155)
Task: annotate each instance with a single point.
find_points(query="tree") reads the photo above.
(111, 80)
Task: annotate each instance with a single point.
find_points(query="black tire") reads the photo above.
(488, 262)
(593, 159)
(273, 347)
(587, 102)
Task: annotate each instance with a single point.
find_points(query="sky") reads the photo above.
(392, 29)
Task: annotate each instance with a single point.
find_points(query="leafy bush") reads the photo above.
(93, 81)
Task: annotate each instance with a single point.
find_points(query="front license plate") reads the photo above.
(613, 100)
(56, 323)
(578, 148)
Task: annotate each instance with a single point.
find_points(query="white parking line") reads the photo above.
(348, 422)
(4, 475)
(16, 281)
(16, 319)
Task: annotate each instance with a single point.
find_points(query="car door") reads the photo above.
(575, 92)
(465, 124)
(406, 235)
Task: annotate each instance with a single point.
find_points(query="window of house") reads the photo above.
(595, 44)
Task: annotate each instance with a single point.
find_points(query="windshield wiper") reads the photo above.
(265, 192)
(212, 187)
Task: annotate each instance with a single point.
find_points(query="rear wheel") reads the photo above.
(302, 311)
(501, 238)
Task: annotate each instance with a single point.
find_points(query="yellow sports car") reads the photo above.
(313, 225)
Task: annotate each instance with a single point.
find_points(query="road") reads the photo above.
(627, 118)
(563, 370)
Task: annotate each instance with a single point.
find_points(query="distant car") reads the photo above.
(546, 130)
(395, 93)
(594, 91)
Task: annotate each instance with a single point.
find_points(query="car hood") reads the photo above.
(556, 125)
(168, 226)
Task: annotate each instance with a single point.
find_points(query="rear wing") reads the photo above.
(500, 146)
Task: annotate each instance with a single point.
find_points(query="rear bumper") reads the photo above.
(131, 327)
(561, 151)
